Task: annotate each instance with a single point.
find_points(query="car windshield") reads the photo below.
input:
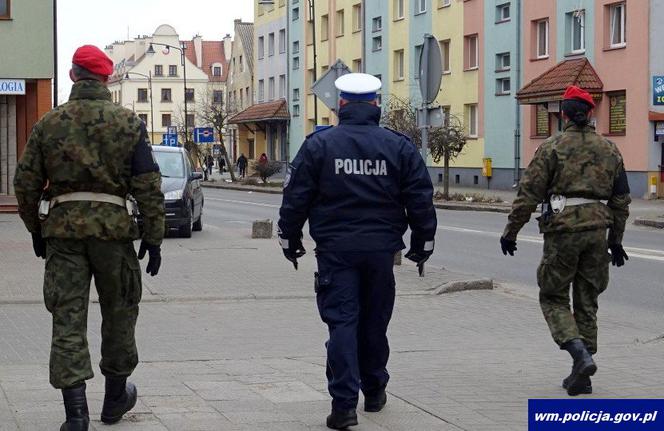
(171, 165)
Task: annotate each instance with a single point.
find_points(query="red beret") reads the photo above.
(93, 59)
(575, 93)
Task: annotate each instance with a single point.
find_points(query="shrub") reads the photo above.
(266, 170)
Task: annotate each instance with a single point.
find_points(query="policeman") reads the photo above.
(360, 186)
(581, 178)
(89, 161)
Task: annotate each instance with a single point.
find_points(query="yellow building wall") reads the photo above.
(398, 39)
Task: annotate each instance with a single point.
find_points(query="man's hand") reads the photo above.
(39, 245)
(292, 248)
(618, 255)
(420, 252)
(154, 261)
(508, 246)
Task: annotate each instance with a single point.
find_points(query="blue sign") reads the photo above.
(658, 90)
(169, 140)
(204, 135)
(595, 415)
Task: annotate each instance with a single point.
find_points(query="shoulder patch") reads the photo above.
(398, 133)
(320, 129)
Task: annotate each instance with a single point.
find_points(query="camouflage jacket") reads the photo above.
(90, 144)
(577, 163)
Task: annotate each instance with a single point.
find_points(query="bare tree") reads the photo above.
(214, 114)
(186, 135)
(445, 143)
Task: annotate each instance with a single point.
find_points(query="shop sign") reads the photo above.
(658, 90)
(659, 128)
(12, 87)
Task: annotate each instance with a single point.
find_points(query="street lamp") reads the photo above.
(182, 49)
(149, 77)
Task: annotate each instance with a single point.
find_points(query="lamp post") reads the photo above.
(182, 49)
(149, 77)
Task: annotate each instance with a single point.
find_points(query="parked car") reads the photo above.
(181, 185)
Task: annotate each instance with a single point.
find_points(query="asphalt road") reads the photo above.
(467, 242)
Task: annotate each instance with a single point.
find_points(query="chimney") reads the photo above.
(198, 47)
(227, 45)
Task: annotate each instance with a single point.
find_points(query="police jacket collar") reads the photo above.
(89, 89)
(359, 114)
(571, 127)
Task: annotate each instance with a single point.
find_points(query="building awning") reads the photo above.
(262, 112)
(656, 116)
(551, 85)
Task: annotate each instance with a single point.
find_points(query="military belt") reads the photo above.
(88, 197)
(582, 201)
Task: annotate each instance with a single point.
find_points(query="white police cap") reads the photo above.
(358, 86)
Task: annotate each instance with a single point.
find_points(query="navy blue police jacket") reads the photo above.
(359, 185)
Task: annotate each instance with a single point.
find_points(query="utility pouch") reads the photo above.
(44, 208)
(132, 206)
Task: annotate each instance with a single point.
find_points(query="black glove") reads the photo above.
(507, 245)
(154, 252)
(39, 245)
(293, 249)
(418, 254)
(618, 255)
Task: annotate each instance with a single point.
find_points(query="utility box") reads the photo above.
(487, 167)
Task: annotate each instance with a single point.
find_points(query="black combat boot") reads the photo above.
(587, 388)
(120, 397)
(375, 403)
(76, 409)
(341, 419)
(583, 367)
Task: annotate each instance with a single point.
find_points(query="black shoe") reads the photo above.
(583, 367)
(341, 419)
(375, 403)
(76, 409)
(587, 388)
(120, 397)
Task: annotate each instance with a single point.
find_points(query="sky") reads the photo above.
(100, 23)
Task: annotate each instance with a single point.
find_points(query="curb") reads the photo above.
(243, 188)
(659, 224)
(463, 285)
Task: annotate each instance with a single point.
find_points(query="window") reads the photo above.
(241, 64)
(416, 60)
(399, 65)
(270, 44)
(471, 120)
(261, 90)
(296, 47)
(282, 41)
(261, 47)
(310, 33)
(340, 23)
(218, 97)
(444, 3)
(617, 113)
(282, 86)
(191, 120)
(165, 120)
(296, 13)
(166, 95)
(310, 80)
(144, 118)
(270, 88)
(503, 61)
(377, 24)
(357, 65)
(377, 43)
(447, 110)
(617, 17)
(296, 110)
(172, 70)
(445, 51)
(472, 54)
(5, 9)
(158, 70)
(296, 94)
(324, 28)
(398, 9)
(577, 35)
(296, 63)
(357, 17)
(142, 95)
(503, 12)
(503, 86)
(189, 94)
(420, 6)
(241, 99)
(542, 48)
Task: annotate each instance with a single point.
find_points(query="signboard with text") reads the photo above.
(658, 90)
(12, 87)
(170, 140)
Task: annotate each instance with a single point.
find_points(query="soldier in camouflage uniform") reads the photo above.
(581, 177)
(86, 157)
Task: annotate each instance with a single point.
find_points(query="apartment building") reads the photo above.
(240, 87)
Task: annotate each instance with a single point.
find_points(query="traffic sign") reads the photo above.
(204, 135)
(172, 130)
(430, 117)
(169, 140)
(324, 88)
(431, 69)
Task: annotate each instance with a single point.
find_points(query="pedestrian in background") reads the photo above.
(84, 159)
(580, 177)
(263, 160)
(242, 165)
(210, 164)
(222, 164)
(360, 186)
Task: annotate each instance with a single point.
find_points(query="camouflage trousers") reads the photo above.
(70, 265)
(579, 259)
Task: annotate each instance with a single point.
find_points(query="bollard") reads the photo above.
(397, 258)
(261, 229)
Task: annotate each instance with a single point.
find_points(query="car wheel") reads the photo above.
(198, 224)
(185, 229)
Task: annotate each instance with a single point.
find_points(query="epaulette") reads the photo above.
(398, 133)
(320, 129)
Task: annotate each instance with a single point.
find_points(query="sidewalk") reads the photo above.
(230, 339)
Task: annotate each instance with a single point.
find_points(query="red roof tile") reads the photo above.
(213, 52)
(551, 85)
(277, 110)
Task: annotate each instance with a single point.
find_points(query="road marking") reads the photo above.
(641, 253)
(258, 204)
